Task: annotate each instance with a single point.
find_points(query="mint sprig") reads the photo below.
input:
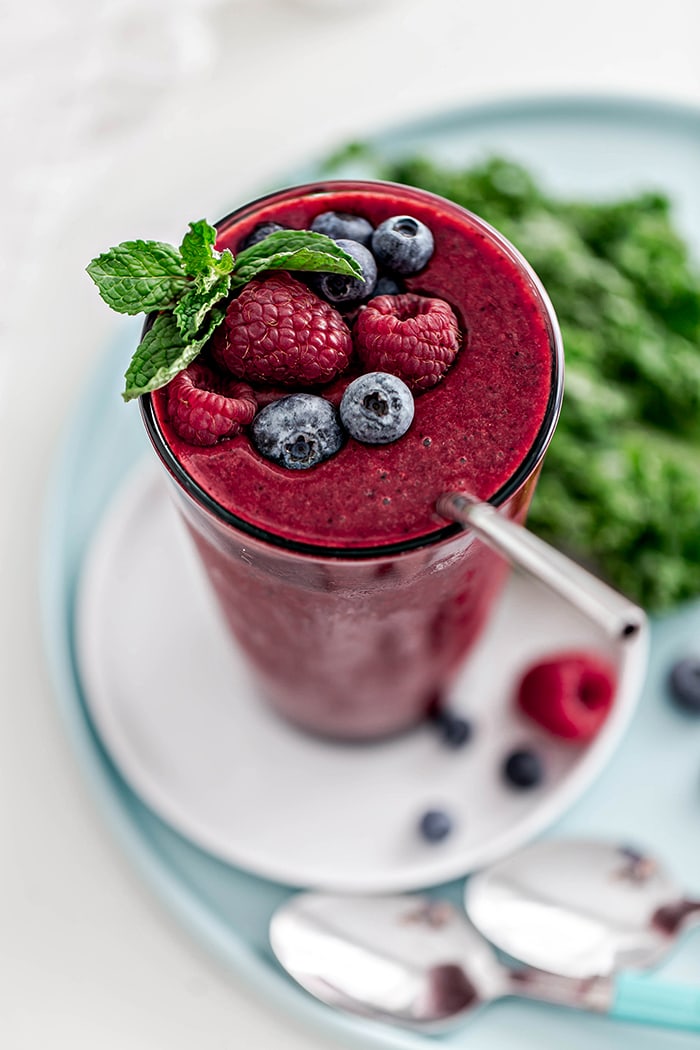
(199, 257)
(192, 307)
(293, 250)
(139, 276)
(162, 353)
(186, 285)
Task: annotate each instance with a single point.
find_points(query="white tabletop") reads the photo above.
(180, 107)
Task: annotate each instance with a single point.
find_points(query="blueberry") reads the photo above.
(435, 825)
(388, 286)
(377, 408)
(341, 288)
(455, 731)
(523, 769)
(342, 225)
(684, 681)
(261, 231)
(298, 431)
(403, 244)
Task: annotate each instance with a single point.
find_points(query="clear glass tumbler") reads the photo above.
(357, 643)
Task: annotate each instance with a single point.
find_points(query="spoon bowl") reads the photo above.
(581, 908)
(404, 960)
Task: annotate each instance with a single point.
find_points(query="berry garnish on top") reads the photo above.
(570, 695)
(262, 325)
(185, 288)
(278, 331)
(403, 244)
(203, 408)
(389, 286)
(298, 431)
(342, 289)
(377, 408)
(412, 336)
(259, 233)
(342, 225)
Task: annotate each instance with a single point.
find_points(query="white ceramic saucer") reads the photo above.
(170, 697)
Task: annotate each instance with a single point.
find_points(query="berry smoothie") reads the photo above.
(354, 602)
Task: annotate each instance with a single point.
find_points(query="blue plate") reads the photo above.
(651, 791)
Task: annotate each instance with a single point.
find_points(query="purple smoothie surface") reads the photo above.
(471, 431)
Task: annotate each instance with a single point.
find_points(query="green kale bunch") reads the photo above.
(620, 489)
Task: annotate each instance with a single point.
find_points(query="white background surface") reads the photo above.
(179, 107)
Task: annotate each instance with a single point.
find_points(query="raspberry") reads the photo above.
(278, 331)
(569, 695)
(203, 409)
(409, 335)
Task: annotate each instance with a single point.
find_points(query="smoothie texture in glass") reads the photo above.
(354, 603)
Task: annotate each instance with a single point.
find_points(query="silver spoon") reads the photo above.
(580, 907)
(616, 615)
(419, 963)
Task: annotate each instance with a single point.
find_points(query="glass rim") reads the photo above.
(510, 487)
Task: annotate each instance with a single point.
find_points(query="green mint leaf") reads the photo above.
(162, 353)
(196, 248)
(139, 276)
(193, 306)
(293, 250)
(200, 259)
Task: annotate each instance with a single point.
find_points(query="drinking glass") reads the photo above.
(357, 643)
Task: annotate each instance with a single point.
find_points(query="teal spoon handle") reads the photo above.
(646, 1000)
